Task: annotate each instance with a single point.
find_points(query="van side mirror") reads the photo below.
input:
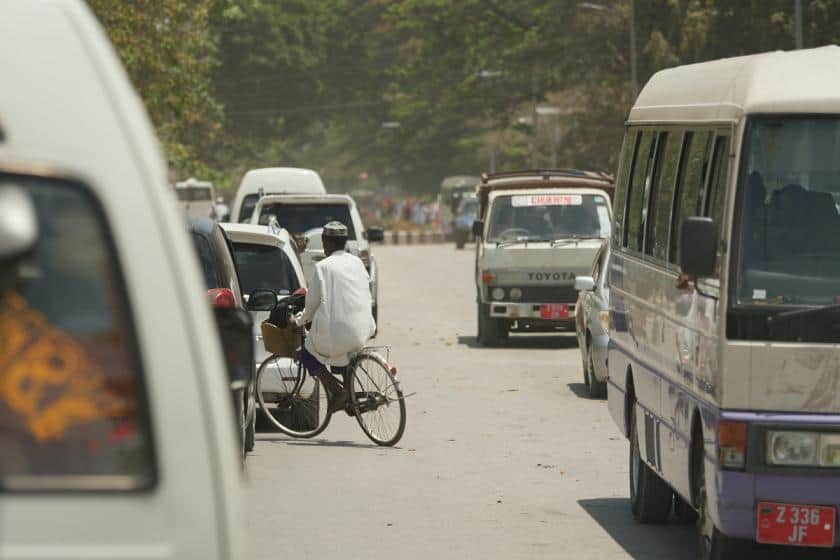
(478, 228)
(18, 223)
(262, 300)
(584, 284)
(375, 235)
(698, 247)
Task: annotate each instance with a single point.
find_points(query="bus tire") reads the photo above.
(650, 496)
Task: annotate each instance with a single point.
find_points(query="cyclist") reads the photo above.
(338, 304)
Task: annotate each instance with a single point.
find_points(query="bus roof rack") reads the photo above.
(547, 174)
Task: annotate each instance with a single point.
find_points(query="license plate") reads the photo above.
(554, 311)
(795, 524)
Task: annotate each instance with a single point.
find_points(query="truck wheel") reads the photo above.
(650, 496)
(491, 331)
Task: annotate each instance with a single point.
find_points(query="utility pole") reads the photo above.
(634, 73)
(797, 9)
(535, 117)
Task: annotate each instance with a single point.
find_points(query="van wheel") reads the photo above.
(650, 496)
(491, 331)
(711, 543)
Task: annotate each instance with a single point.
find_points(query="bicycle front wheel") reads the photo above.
(293, 401)
(377, 399)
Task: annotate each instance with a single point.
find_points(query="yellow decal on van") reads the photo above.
(46, 376)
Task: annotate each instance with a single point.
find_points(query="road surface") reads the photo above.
(503, 456)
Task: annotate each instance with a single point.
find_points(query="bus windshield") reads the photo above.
(790, 224)
(548, 217)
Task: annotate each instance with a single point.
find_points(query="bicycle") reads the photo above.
(299, 406)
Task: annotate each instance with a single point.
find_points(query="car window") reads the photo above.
(207, 261)
(298, 218)
(264, 267)
(248, 205)
(72, 401)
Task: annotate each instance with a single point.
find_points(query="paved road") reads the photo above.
(503, 456)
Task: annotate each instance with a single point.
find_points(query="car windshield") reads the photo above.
(191, 194)
(548, 217)
(298, 218)
(790, 226)
(264, 267)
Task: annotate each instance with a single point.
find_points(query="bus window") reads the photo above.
(662, 198)
(625, 164)
(689, 192)
(638, 185)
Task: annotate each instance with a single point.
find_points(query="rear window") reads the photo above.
(207, 261)
(300, 218)
(73, 408)
(192, 194)
(264, 267)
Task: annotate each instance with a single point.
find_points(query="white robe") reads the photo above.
(338, 303)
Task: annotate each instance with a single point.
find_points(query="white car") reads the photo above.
(272, 180)
(117, 434)
(266, 259)
(303, 215)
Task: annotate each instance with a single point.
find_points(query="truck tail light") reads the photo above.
(221, 298)
(732, 444)
(487, 277)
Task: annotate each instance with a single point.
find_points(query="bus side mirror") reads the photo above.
(698, 247)
(478, 228)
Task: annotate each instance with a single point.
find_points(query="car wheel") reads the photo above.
(597, 389)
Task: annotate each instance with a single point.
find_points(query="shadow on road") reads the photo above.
(281, 439)
(640, 541)
(580, 391)
(672, 540)
(562, 341)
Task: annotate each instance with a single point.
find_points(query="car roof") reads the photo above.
(282, 179)
(306, 198)
(256, 234)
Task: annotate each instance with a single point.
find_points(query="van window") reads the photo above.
(639, 184)
(72, 402)
(689, 194)
(625, 163)
(717, 183)
(662, 198)
(194, 194)
(248, 205)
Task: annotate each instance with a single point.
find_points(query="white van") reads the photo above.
(196, 198)
(272, 180)
(724, 285)
(536, 231)
(116, 431)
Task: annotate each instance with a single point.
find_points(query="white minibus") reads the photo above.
(272, 180)
(724, 369)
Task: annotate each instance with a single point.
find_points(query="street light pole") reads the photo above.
(797, 9)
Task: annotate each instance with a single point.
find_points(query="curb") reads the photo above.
(400, 237)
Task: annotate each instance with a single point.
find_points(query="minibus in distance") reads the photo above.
(724, 370)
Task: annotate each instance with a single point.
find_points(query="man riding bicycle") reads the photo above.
(338, 304)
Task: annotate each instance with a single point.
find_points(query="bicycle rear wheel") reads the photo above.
(293, 401)
(377, 399)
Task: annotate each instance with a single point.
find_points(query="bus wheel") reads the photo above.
(650, 496)
(712, 544)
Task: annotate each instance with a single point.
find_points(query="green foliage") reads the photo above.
(235, 84)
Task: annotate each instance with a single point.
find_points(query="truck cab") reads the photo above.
(536, 232)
